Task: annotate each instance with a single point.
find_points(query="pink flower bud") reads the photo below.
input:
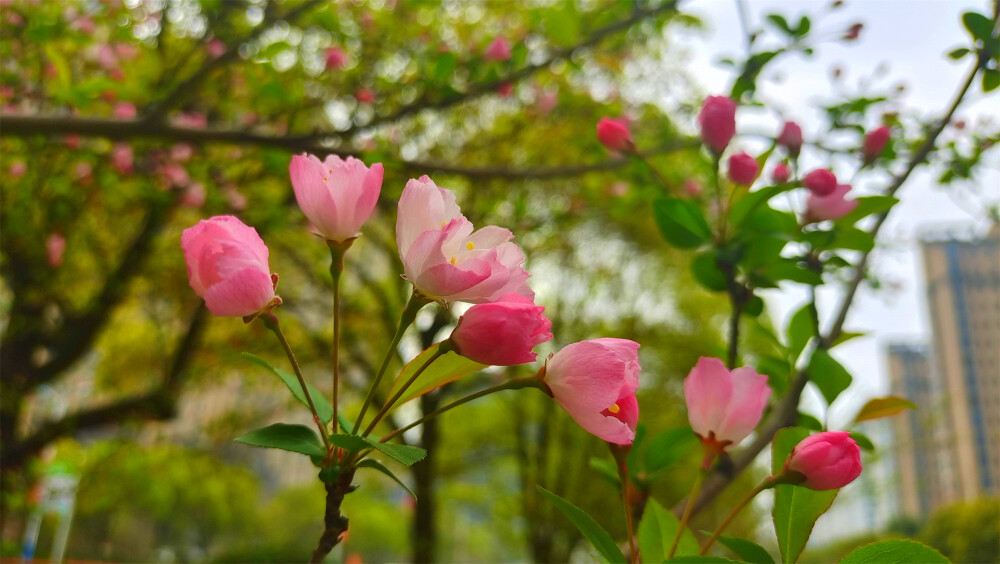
(828, 460)
(791, 138)
(821, 182)
(444, 259)
(72, 142)
(692, 187)
(106, 57)
(832, 206)
(743, 169)
(17, 169)
(215, 48)
(84, 25)
(781, 173)
(336, 58)
(227, 265)
(547, 100)
(83, 171)
(55, 245)
(724, 406)
(502, 333)
(181, 152)
(365, 96)
(875, 142)
(615, 135)
(717, 120)
(595, 382)
(174, 175)
(194, 196)
(505, 90)
(336, 195)
(122, 158)
(498, 50)
(124, 110)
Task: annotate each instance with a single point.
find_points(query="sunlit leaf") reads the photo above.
(598, 537)
(657, 530)
(896, 551)
(446, 368)
(883, 407)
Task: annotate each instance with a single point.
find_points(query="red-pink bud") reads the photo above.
(122, 157)
(691, 187)
(743, 169)
(17, 169)
(614, 134)
(502, 333)
(828, 460)
(125, 110)
(791, 138)
(55, 245)
(875, 142)
(365, 96)
(215, 48)
(497, 50)
(781, 173)
(718, 122)
(820, 182)
(336, 58)
(506, 90)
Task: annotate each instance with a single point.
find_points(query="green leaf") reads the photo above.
(867, 205)
(681, 222)
(829, 375)
(801, 328)
(607, 470)
(706, 271)
(991, 79)
(372, 463)
(351, 443)
(747, 551)
(863, 441)
(958, 53)
(978, 25)
(754, 306)
(743, 207)
(777, 370)
(696, 559)
(657, 531)
(294, 438)
(323, 407)
(883, 407)
(598, 537)
(446, 368)
(781, 23)
(789, 269)
(896, 551)
(762, 250)
(669, 447)
(844, 337)
(796, 509)
(404, 454)
(853, 239)
(803, 28)
(562, 25)
(809, 422)
(345, 423)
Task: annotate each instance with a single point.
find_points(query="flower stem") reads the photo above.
(337, 252)
(406, 318)
(442, 350)
(623, 476)
(271, 322)
(695, 490)
(768, 482)
(517, 383)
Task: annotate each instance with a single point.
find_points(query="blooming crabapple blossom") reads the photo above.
(55, 245)
(832, 206)
(502, 333)
(595, 382)
(497, 50)
(337, 195)
(724, 406)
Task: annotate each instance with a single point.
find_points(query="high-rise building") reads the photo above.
(949, 450)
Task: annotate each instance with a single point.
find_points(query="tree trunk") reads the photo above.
(423, 531)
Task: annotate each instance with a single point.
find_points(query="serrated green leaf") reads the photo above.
(896, 551)
(681, 222)
(372, 463)
(404, 454)
(598, 537)
(294, 438)
(883, 407)
(796, 509)
(747, 551)
(829, 375)
(323, 407)
(351, 443)
(697, 559)
(345, 423)
(446, 368)
(657, 530)
(669, 447)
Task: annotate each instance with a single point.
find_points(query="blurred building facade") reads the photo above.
(949, 450)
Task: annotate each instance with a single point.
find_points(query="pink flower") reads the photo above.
(821, 182)
(215, 48)
(875, 142)
(505, 90)
(193, 120)
(181, 152)
(718, 122)
(595, 382)
(828, 460)
(832, 206)
(106, 57)
(126, 51)
(122, 158)
(55, 245)
(724, 406)
(365, 96)
(84, 25)
(743, 169)
(174, 175)
(444, 259)
(72, 141)
(691, 187)
(336, 58)
(194, 196)
(498, 50)
(336, 195)
(83, 171)
(615, 135)
(791, 138)
(124, 110)
(227, 266)
(17, 169)
(781, 173)
(547, 100)
(502, 333)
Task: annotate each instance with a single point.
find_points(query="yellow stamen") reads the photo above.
(614, 408)
(453, 261)
(443, 223)
(470, 245)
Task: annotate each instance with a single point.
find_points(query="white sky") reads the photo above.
(911, 37)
